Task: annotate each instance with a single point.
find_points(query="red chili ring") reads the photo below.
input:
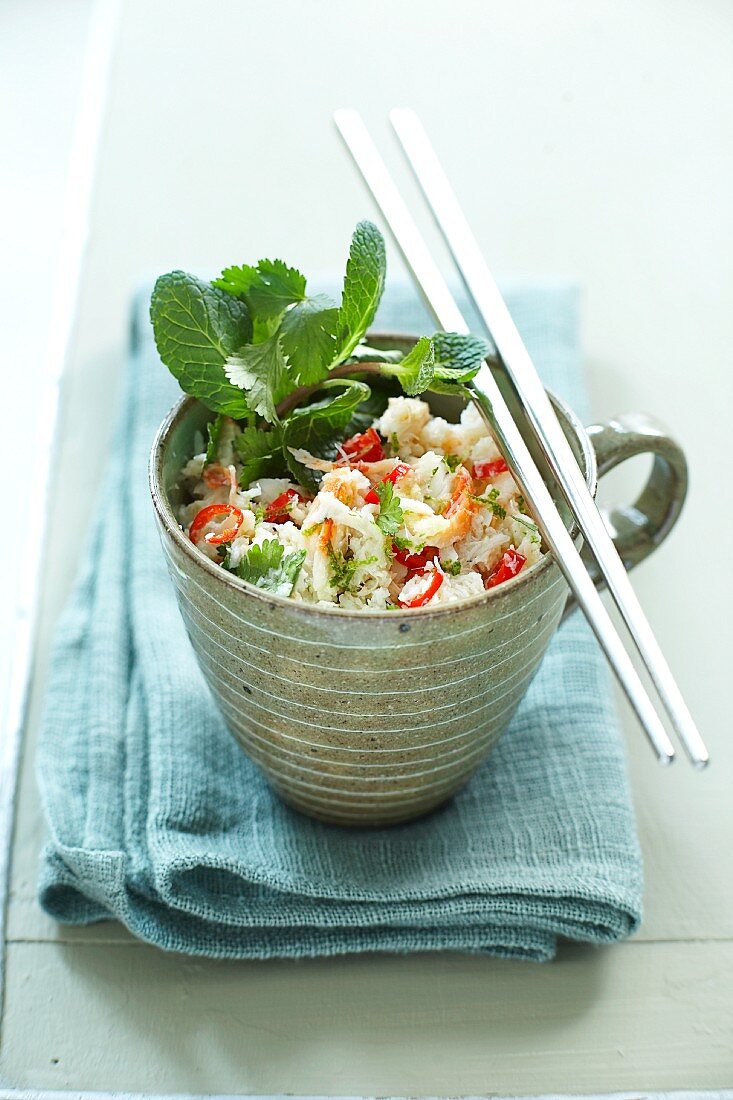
(211, 512)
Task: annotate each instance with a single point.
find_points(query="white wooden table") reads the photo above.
(586, 139)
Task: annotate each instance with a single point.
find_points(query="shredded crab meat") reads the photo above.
(436, 518)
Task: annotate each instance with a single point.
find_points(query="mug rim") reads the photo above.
(171, 526)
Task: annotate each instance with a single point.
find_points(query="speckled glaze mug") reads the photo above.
(374, 718)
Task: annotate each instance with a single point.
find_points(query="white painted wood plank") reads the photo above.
(129, 1018)
(613, 110)
(621, 178)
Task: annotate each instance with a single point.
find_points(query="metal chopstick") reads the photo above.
(513, 354)
(493, 407)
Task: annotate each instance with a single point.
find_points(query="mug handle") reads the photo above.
(638, 529)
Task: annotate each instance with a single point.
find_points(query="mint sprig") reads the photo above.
(416, 371)
(363, 286)
(196, 328)
(255, 346)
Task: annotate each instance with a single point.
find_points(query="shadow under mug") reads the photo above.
(374, 718)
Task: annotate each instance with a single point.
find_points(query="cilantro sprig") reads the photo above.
(390, 516)
(267, 566)
(254, 345)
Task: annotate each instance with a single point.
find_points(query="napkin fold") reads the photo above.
(157, 818)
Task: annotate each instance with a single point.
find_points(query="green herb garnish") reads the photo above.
(390, 516)
(490, 500)
(342, 569)
(213, 431)
(453, 568)
(530, 525)
(260, 453)
(255, 346)
(267, 566)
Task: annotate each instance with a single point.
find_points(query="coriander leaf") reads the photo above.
(363, 286)
(317, 428)
(390, 517)
(261, 371)
(268, 289)
(196, 328)
(264, 566)
(261, 454)
(213, 429)
(458, 357)
(278, 287)
(237, 280)
(309, 338)
(415, 372)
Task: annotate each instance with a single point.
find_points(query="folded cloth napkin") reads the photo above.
(156, 817)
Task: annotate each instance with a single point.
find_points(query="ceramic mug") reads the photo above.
(377, 717)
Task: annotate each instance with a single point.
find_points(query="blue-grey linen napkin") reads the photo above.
(156, 817)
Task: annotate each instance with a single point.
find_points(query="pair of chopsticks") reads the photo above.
(543, 422)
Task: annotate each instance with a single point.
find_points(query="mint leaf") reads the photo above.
(363, 285)
(213, 431)
(319, 427)
(364, 354)
(260, 453)
(196, 327)
(268, 289)
(390, 517)
(458, 357)
(415, 372)
(264, 566)
(261, 371)
(308, 332)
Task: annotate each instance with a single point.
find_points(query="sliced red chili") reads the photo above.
(212, 512)
(364, 447)
(394, 476)
(399, 471)
(415, 561)
(215, 475)
(278, 511)
(432, 588)
(490, 469)
(511, 563)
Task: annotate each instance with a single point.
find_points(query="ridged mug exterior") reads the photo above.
(358, 718)
(367, 722)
